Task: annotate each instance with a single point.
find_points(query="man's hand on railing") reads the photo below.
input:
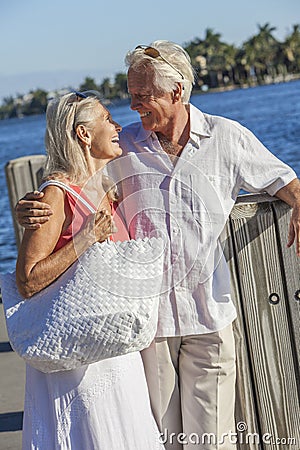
(294, 229)
(291, 195)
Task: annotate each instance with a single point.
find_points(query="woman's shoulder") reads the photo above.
(56, 181)
(59, 177)
(53, 188)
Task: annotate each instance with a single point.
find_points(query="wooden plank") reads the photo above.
(267, 324)
(291, 272)
(245, 403)
(22, 175)
(254, 198)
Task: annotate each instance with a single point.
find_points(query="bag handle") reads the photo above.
(70, 190)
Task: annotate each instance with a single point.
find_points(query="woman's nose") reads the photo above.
(117, 127)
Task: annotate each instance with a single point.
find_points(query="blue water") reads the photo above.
(271, 112)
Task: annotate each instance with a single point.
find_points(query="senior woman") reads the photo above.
(103, 405)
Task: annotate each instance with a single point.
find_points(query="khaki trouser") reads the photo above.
(191, 381)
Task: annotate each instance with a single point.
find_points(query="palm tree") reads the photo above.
(290, 51)
(230, 57)
(106, 88)
(36, 103)
(89, 84)
(212, 59)
(120, 85)
(260, 53)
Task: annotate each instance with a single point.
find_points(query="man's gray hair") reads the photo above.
(165, 76)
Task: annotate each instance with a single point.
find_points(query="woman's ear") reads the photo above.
(83, 134)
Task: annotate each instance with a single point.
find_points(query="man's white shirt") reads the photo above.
(188, 204)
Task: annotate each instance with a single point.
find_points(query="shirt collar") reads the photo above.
(142, 134)
(199, 125)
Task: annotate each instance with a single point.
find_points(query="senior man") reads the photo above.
(180, 174)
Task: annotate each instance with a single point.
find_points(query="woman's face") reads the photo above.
(104, 135)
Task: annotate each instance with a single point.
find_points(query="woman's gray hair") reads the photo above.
(65, 154)
(166, 77)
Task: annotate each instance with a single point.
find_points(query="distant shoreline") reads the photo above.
(275, 80)
(233, 87)
(126, 101)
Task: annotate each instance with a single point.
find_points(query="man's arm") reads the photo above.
(31, 212)
(290, 194)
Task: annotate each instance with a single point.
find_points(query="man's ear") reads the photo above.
(177, 92)
(83, 134)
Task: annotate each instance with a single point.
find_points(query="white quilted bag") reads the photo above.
(104, 305)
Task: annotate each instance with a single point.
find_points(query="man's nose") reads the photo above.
(134, 103)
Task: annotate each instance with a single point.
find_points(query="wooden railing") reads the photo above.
(265, 279)
(22, 175)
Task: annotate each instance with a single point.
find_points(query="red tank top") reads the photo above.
(80, 213)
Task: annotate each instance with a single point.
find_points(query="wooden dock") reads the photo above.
(265, 285)
(12, 383)
(266, 290)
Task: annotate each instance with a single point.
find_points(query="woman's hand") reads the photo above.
(99, 227)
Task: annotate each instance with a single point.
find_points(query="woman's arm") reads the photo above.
(37, 265)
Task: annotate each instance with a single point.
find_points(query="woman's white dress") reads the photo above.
(103, 406)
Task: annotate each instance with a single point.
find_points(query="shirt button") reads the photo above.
(178, 288)
(175, 230)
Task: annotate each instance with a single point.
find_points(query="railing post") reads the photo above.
(22, 175)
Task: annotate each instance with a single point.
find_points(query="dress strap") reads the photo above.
(70, 190)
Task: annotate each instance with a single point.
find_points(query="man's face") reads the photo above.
(155, 108)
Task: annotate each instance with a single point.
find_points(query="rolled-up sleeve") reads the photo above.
(259, 169)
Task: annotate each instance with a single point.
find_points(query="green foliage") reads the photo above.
(88, 85)
(260, 59)
(33, 103)
(37, 104)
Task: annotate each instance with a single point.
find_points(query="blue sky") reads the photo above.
(56, 43)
